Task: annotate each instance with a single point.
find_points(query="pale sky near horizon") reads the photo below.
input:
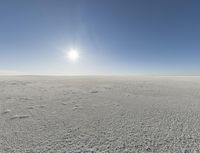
(111, 36)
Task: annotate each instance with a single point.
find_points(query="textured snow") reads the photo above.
(99, 114)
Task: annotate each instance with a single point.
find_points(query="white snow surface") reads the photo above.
(99, 114)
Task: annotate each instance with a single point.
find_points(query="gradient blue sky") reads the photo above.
(159, 37)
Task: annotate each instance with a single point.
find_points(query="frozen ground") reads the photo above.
(99, 114)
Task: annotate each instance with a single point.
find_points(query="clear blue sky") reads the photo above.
(112, 36)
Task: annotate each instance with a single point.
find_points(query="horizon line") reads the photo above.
(93, 75)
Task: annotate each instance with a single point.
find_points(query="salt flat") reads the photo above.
(99, 114)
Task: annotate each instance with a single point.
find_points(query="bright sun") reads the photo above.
(73, 55)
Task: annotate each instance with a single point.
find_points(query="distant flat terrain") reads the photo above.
(99, 114)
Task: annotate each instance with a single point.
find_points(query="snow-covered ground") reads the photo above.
(99, 114)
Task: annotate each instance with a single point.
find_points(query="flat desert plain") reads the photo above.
(99, 114)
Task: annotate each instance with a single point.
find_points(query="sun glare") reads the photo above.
(73, 55)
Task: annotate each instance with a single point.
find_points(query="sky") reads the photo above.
(125, 37)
